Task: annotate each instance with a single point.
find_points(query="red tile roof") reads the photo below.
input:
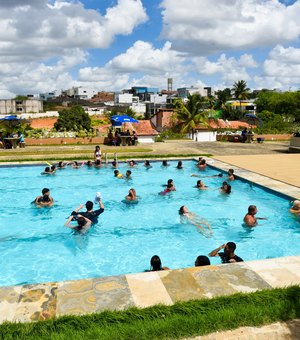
(144, 128)
(221, 124)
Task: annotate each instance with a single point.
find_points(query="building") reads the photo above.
(244, 105)
(19, 106)
(80, 92)
(48, 95)
(163, 119)
(183, 92)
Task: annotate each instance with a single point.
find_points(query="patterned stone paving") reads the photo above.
(46, 300)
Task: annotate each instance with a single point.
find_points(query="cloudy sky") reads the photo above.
(48, 45)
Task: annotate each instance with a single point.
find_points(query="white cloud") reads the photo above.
(156, 64)
(207, 26)
(33, 33)
(38, 32)
(281, 69)
(230, 69)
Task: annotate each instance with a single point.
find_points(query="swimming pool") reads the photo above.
(36, 247)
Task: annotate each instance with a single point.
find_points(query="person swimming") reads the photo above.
(250, 219)
(179, 165)
(295, 209)
(225, 188)
(118, 174)
(202, 164)
(203, 227)
(170, 185)
(200, 185)
(83, 223)
(48, 171)
(155, 264)
(45, 200)
(147, 165)
(131, 195)
(231, 176)
(128, 174)
(97, 163)
(132, 163)
(61, 165)
(164, 163)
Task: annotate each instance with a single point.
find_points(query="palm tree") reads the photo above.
(191, 113)
(240, 91)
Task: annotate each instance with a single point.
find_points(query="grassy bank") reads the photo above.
(185, 319)
(87, 156)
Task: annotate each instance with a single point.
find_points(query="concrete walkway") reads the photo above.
(282, 167)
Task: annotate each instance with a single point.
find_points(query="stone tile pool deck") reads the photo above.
(43, 301)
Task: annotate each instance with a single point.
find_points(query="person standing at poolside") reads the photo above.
(228, 255)
(97, 153)
(250, 219)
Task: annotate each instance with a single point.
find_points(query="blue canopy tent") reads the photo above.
(120, 120)
(12, 123)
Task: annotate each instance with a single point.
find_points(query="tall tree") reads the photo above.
(240, 91)
(222, 97)
(73, 119)
(191, 113)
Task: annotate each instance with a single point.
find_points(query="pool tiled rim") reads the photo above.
(47, 300)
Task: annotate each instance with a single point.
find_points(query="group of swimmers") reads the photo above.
(226, 252)
(250, 219)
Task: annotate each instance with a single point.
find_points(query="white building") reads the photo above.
(183, 92)
(81, 92)
(19, 106)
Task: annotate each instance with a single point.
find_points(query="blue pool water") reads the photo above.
(36, 247)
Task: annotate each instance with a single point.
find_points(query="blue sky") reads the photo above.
(110, 45)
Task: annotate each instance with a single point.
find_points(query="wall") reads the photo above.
(204, 136)
(64, 140)
(146, 139)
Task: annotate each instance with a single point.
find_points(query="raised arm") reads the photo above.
(215, 251)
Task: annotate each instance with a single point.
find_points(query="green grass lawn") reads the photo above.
(184, 319)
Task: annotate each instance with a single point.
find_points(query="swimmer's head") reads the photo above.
(147, 163)
(155, 263)
(97, 162)
(296, 205)
(230, 172)
(252, 210)
(230, 247)
(46, 191)
(170, 181)
(202, 260)
(164, 163)
(47, 169)
(128, 173)
(182, 210)
(89, 205)
(116, 172)
(81, 221)
(46, 198)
